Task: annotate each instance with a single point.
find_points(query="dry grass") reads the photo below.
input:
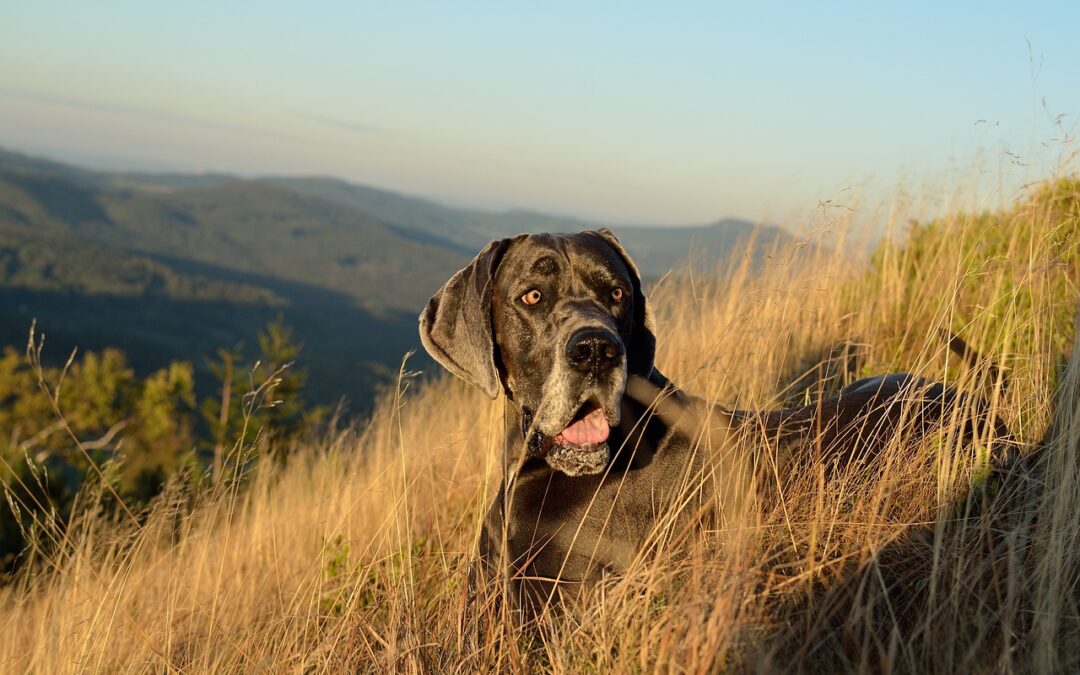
(354, 556)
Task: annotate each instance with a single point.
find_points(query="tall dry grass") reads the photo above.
(354, 556)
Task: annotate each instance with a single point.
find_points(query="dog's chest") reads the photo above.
(570, 527)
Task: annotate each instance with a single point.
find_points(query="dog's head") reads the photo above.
(557, 322)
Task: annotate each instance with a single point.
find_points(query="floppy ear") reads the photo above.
(456, 326)
(641, 351)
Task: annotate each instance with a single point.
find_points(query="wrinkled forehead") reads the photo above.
(581, 255)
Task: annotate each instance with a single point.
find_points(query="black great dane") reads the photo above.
(597, 442)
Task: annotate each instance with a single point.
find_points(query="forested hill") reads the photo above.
(174, 266)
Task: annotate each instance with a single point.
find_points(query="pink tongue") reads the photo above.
(591, 429)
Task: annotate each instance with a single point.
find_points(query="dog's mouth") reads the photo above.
(589, 426)
(581, 448)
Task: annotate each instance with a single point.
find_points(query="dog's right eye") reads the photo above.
(532, 296)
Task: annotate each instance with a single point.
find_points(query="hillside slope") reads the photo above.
(167, 274)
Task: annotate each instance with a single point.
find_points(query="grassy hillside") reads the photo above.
(354, 555)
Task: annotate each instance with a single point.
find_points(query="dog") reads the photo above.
(599, 444)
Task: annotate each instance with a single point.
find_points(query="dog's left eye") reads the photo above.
(532, 296)
(617, 295)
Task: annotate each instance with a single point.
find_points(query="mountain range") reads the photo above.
(173, 266)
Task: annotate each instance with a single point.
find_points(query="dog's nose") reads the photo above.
(594, 351)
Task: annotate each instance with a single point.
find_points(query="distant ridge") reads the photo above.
(656, 249)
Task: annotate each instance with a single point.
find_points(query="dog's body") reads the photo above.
(599, 443)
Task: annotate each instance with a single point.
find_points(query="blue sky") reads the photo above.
(660, 112)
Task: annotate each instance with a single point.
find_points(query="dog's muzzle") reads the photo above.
(581, 404)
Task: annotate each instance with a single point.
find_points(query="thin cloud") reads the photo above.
(340, 124)
(122, 110)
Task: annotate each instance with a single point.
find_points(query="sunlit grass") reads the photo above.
(354, 555)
